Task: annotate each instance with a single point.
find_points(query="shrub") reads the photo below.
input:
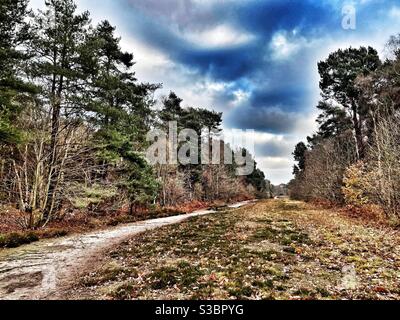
(356, 185)
(325, 166)
(16, 239)
(84, 196)
(383, 167)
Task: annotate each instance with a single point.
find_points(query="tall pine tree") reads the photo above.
(60, 32)
(341, 104)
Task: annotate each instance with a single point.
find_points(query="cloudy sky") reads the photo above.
(256, 61)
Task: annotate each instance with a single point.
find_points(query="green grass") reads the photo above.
(183, 274)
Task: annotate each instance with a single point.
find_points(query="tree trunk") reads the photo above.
(357, 131)
(57, 90)
(53, 160)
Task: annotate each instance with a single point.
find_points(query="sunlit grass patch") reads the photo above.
(183, 275)
(110, 272)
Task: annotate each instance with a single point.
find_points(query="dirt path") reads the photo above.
(39, 270)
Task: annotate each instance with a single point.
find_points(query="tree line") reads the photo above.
(74, 118)
(354, 158)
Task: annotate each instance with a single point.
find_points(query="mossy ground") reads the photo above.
(270, 250)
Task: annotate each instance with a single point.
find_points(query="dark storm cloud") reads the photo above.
(289, 99)
(273, 149)
(267, 119)
(221, 64)
(264, 17)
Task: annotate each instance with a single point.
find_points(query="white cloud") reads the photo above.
(275, 163)
(394, 12)
(241, 96)
(222, 35)
(36, 4)
(149, 61)
(277, 170)
(283, 46)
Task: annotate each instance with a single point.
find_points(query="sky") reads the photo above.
(255, 61)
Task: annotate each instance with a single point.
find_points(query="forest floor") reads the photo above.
(277, 249)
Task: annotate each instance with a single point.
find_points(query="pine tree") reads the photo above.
(340, 93)
(172, 109)
(258, 181)
(333, 120)
(59, 34)
(14, 33)
(120, 108)
(139, 182)
(300, 157)
(119, 105)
